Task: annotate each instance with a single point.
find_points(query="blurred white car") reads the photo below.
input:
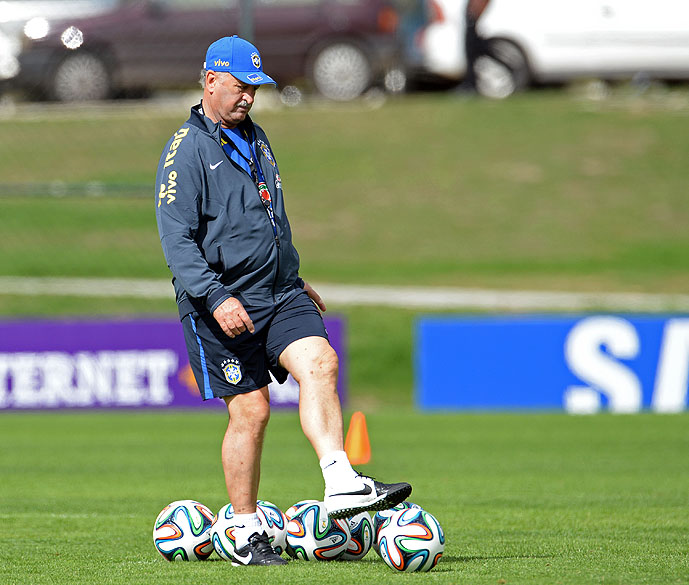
(9, 49)
(561, 40)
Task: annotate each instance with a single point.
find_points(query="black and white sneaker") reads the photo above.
(372, 497)
(257, 552)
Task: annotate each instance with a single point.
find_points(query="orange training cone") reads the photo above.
(357, 445)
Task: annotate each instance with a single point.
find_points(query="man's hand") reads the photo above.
(233, 318)
(314, 296)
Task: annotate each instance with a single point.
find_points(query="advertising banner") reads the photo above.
(50, 364)
(582, 364)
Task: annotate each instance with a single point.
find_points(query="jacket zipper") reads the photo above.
(273, 224)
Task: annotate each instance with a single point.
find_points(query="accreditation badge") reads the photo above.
(263, 192)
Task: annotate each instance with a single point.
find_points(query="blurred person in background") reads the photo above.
(475, 46)
(245, 311)
(413, 18)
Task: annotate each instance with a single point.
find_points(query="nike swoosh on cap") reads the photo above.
(215, 166)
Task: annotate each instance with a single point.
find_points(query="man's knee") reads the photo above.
(310, 358)
(250, 410)
(323, 367)
(328, 362)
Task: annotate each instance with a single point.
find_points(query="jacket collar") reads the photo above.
(205, 124)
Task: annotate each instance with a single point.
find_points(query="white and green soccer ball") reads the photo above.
(313, 536)
(381, 517)
(181, 531)
(273, 522)
(361, 531)
(411, 540)
(294, 508)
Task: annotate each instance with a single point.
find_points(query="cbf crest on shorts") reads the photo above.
(232, 370)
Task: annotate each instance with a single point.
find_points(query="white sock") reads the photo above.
(337, 471)
(244, 526)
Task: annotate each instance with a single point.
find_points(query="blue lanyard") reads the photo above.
(237, 148)
(252, 165)
(254, 159)
(264, 193)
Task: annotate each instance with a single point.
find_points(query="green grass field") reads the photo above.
(523, 499)
(543, 191)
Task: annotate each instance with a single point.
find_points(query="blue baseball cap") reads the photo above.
(238, 57)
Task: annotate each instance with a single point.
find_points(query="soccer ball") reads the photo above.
(182, 531)
(312, 535)
(273, 522)
(292, 510)
(381, 517)
(361, 530)
(411, 540)
(222, 532)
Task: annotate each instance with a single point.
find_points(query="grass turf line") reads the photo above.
(540, 191)
(537, 498)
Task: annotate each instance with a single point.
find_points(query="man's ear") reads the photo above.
(211, 80)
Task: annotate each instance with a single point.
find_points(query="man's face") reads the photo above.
(230, 99)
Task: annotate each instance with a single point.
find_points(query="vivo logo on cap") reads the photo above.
(221, 63)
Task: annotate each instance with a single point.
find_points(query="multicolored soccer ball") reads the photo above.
(273, 522)
(361, 530)
(222, 533)
(411, 540)
(381, 517)
(312, 535)
(182, 531)
(293, 509)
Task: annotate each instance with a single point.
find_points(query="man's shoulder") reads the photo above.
(189, 142)
(181, 144)
(190, 133)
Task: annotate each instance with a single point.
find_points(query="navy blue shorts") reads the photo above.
(225, 366)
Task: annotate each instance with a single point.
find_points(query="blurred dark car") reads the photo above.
(339, 48)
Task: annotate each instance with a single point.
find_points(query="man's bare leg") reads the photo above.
(241, 460)
(314, 365)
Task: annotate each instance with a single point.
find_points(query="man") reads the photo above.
(245, 311)
(475, 46)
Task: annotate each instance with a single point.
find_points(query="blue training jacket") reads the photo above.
(215, 231)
